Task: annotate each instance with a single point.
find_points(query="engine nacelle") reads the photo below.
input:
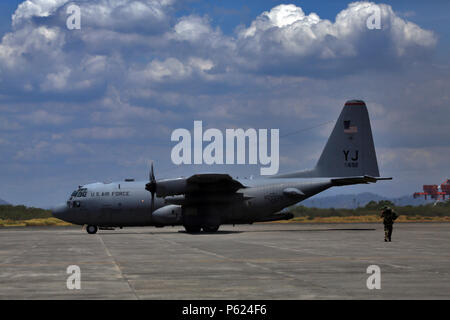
(171, 187)
(168, 215)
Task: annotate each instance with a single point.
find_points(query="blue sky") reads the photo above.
(96, 104)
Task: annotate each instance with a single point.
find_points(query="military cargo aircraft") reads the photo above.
(206, 201)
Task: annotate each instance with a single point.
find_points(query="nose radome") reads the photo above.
(58, 212)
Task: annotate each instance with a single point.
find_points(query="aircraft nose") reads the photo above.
(58, 212)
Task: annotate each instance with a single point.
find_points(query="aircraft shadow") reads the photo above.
(173, 232)
(224, 232)
(209, 233)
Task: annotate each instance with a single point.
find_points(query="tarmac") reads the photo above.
(260, 261)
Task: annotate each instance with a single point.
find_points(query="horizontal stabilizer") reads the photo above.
(356, 180)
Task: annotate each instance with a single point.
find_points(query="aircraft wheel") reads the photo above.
(192, 229)
(210, 228)
(91, 229)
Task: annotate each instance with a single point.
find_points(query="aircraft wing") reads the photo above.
(214, 182)
(356, 180)
(198, 184)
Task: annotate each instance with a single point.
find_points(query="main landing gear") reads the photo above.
(196, 229)
(210, 228)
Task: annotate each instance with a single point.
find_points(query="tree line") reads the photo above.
(11, 212)
(440, 209)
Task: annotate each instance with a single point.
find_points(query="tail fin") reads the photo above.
(349, 151)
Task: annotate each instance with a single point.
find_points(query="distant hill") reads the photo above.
(3, 202)
(351, 201)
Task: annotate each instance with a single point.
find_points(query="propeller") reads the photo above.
(151, 187)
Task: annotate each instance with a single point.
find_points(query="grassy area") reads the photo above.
(33, 222)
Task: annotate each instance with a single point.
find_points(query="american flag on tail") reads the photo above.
(348, 128)
(353, 129)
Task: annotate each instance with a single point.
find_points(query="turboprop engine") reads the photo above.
(168, 215)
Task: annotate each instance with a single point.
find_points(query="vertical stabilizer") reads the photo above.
(350, 150)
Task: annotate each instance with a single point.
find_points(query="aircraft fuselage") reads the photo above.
(120, 204)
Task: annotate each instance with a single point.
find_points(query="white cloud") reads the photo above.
(43, 117)
(104, 133)
(35, 8)
(196, 35)
(192, 29)
(56, 81)
(43, 150)
(137, 15)
(111, 14)
(170, 69)
(113, 110)
(7, 124)
(420, 159)
(280, 17)
(120, 43)
(286, 31)
(21, 48)
(94, 64)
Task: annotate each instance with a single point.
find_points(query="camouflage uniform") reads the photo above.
(388, 216)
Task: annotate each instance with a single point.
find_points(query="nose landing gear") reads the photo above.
(91, 229)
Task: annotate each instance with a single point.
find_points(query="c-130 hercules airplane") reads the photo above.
(206, 201)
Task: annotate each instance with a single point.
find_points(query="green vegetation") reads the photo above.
(24, 216)
(10, 212)
(441, 209)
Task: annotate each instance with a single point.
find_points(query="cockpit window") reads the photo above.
(79, 193)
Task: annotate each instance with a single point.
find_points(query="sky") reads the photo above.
(101, 102)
